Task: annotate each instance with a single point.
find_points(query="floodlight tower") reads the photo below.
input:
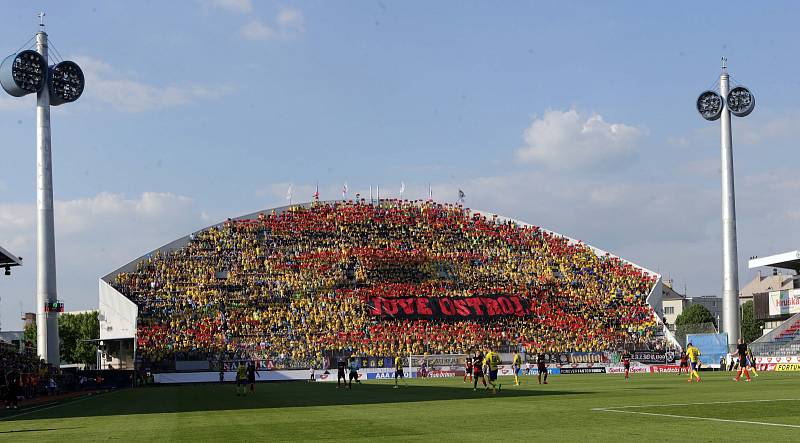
(24, 73)
(740, 102)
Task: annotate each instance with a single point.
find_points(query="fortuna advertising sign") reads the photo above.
(787, 367)
(784, 302)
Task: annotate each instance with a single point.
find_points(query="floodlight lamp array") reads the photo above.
(741, 101)
(65, 82)
(710, 105)
(23, 73)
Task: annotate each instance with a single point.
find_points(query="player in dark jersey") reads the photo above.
(541, 366)
(684, 363)
(251, 376)
(341, 365)
(741, 349)
(12, 389)
(468, 369)
(477, 371)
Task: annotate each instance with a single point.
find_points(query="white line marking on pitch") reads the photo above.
(704, 418)
(694, 404)
(39, 408)
(617, 409)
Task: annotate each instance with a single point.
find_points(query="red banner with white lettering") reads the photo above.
(448, 307)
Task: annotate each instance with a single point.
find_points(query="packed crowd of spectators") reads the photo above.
(22, 374)
(289, 286)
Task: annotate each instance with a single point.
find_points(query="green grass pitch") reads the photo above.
(649, 407)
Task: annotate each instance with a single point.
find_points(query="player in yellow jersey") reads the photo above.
(694, 361)
(492, 361)
(516, 367)
(398, 370)
(751, 362)
(241, 378)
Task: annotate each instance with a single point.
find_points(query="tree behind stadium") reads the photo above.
(696, 319)
(751, 328)
(73, 329)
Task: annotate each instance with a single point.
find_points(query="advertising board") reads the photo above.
(784, 302)
(633, 370)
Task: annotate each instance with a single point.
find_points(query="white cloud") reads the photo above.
(76, 216)
(569, 140)
(287, 23)
(257, 30)
(109, 86)
(291, 20)
(767, 127)
(94, 235)
(105, 214)
(237, 6)
(16, 221)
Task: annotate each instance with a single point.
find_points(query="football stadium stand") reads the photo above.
(778, 306)
(291, 284)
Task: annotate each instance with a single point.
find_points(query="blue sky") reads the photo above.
(576, 116)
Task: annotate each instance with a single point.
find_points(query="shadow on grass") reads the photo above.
(193, 398)
(21, 431)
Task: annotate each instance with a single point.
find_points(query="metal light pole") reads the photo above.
(46, 321)
(23, 73)
(713, 106)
